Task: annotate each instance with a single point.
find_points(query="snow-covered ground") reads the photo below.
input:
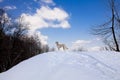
(67, 66)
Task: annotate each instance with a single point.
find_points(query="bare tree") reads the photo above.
(16, 47)
(113, 24)
(5, 42)
(109, 30)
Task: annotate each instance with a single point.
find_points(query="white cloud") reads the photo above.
(64, 24)
(47, 17)
(10, 7)
(90, 45)
(80, 44)
(45, 2)
(32, 32)
(52, 14)
(48, 1)
(35, 22)
(42, 38)
(1, 0)
(95, 48)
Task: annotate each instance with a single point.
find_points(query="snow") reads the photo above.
(67, 65)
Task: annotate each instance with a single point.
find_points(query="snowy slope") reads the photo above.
(67, 66)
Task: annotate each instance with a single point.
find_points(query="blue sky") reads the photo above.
(83, 15)
(79, 15)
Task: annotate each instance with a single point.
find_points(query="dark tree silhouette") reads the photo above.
(16, 46)
(109, 30)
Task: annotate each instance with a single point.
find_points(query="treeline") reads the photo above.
(15, 45)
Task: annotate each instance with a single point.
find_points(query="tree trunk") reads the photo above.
(113, 30)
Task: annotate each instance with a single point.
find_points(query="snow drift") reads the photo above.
(67, 66)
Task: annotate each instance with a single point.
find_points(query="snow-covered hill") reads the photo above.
(67, 66)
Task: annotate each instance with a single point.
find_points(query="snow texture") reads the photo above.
(67, 66)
